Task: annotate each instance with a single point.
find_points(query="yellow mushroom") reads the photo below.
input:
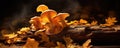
(41, 8)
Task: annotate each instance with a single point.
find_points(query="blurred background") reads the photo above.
(16, 14)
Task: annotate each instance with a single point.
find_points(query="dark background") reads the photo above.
(15, 14)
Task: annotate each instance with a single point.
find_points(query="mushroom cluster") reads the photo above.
(49, 20)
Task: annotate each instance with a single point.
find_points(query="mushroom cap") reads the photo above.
(36, 18)
(47, 16)
(48, 13)
(60, 18)
(63, 15)
(41, 8)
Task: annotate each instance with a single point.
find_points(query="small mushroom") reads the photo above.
(41, 8)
